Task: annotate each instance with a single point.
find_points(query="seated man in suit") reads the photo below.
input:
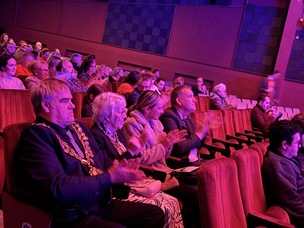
(282, 172)
(58, 162)
(177, 117)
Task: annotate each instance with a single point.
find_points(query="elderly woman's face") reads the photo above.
(116, 121)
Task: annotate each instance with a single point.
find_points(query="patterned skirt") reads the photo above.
(169, 204)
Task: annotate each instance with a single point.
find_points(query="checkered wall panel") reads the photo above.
(259, 39)
(142, 27)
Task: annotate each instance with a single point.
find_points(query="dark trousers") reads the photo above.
(120, 214)
(188, 194)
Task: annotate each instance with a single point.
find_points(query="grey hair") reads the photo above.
(105, 104)
(219, 87)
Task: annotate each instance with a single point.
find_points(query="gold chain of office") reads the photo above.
(93, 171)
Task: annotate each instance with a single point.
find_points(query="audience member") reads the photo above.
(109, 113)
(261, 116)
(144, 83)
(40, 70)
(3, 38)
(22, 43)
(116, 75)
(29, 48)
(65, 167)
(282, 173)
(177, 82)
(299, 120)
(129, 83)
(68, 74)
(23, 58)
(218, 98)
(177, 117)
(44, 54)
(52, 61)
(9, 48)
(8, 67)
(143, 122)
(156, 73)
(161, 85)
(200, 89)
(87, 69)
(92, 92)
(76, 60)
(37, 47)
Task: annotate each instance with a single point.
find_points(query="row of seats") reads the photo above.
(229, 130)
(231, 193)
(230, 190)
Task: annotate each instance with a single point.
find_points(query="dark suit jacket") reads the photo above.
(43, 170)
(106, 145)
(171, 121)
(196, 91)
(132, 97)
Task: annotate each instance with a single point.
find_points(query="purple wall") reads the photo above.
(202, 40)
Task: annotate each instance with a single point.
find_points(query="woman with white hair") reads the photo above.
(109, 113)
(218, 98)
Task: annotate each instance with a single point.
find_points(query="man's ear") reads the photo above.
(46, 106)
(284, 145)
(178, 101)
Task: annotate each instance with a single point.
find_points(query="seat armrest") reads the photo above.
(240, 140)
(213, 149)
(254, 137)
(255, 219)
(257, 133)
(227, 144)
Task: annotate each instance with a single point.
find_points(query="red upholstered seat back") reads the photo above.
(15, 107)
(78, 102)
(219, 196)
(250, 180)
(261, 148)
(251, 185)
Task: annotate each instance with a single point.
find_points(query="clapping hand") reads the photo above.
(126, 171)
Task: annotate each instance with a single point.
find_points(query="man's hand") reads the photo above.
(126, 171)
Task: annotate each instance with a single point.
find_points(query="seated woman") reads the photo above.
(8, 67)
(109, 112)
(92, 92)
(129, 83)
(143, 120)
(23, 58)
(39, 69)
(177, 82)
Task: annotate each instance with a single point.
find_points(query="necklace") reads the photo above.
(88, 159)
(114, 140)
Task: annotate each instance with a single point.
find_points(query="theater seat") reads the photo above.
(15, 107)
(77, 99)
(252, 191)
(261, 148)
(219, 196)
(17, 213)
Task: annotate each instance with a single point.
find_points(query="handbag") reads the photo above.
(146, 187)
